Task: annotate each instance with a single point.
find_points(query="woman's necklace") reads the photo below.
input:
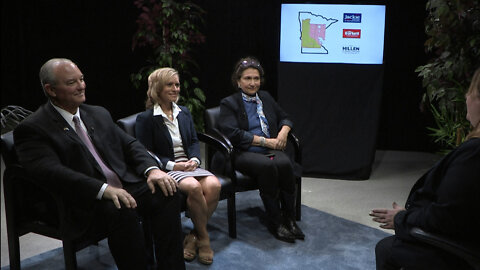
(169, 113)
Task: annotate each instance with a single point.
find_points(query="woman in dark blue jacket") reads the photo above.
(258, 129)
(167, 130)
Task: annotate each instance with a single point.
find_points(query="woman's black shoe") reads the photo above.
(281, 232)
(295, 230)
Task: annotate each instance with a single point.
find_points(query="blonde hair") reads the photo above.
(156, 82)
(474, 89)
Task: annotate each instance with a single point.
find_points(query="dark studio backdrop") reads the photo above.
(97, 35)
(336, 107)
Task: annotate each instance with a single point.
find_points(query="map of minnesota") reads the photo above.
(313, 30)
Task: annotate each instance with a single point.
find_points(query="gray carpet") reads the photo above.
(331, 243)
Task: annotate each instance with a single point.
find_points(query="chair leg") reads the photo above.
(10, 216)
(70, 255)
(232, 216)
(13, 250)
(298, 203)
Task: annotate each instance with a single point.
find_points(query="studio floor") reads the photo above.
(394, 173)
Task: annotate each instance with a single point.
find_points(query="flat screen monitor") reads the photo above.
(332, 33)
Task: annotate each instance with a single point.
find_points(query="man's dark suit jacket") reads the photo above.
(233, 120)
(446, 201)
(153, 133)
(48, 147)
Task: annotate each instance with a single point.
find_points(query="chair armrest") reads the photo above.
(214, 132)
(219, 136)
(222, 146)
(469, 252)
(159, 162)
(218, 144)
(296, 146)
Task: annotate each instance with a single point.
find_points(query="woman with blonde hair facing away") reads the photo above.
(473, 105)
(167, 130)
(444, 201)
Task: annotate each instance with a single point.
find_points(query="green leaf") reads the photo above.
(199, 93)
(170, 44)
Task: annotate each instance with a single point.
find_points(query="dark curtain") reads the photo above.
(340, 110)
(403, 120)
(335, 108)
(97, 35)
(236, 29)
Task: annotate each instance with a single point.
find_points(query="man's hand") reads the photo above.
(166, 183)
(119, 194)
(386, 216)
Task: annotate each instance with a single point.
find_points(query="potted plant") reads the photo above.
(453, 30)
(170, 31)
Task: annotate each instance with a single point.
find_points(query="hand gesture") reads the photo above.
(117, 195)
(166, 183)
(386, 216)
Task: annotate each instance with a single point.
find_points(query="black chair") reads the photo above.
(11, 115)
(212, 144)
(468, 252)
(224, 163)
(29, 208)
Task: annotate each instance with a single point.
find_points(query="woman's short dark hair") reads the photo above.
(242, 65)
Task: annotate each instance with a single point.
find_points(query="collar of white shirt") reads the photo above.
(157, 110)
(68, 116)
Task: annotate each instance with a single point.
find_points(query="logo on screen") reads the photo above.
(352, 17)
(351, 33)
(351, 49)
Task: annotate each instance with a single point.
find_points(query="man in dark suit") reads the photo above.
(106, 177)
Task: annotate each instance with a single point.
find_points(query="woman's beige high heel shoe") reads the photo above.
(205, 252)
(190, 247)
